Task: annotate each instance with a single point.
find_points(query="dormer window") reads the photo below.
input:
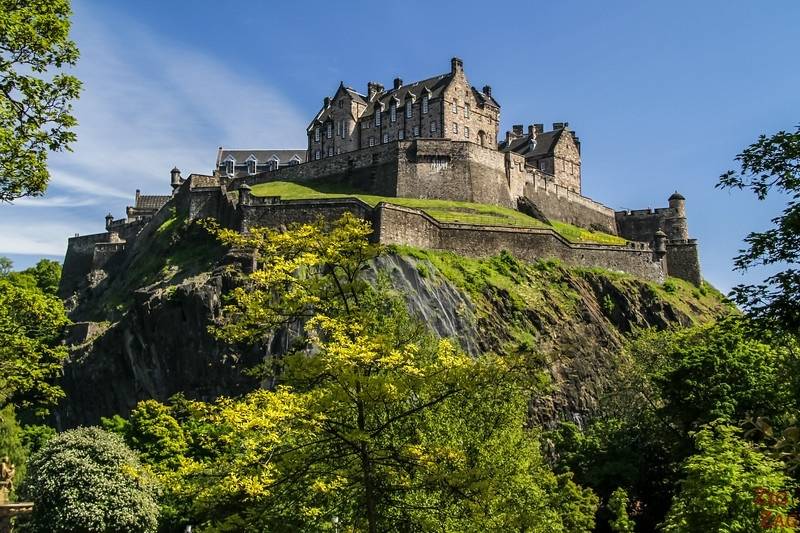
(425, 104)
(393, 112)
(316, 134)
(274, 163)
(229, 166)
(251, 165)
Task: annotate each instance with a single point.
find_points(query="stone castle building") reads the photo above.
(432, 139)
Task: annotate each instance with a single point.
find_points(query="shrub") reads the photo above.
(88, 480)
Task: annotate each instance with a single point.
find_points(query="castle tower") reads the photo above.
(175, 178)
(675, 225)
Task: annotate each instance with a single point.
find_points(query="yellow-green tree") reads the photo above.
(374, 425)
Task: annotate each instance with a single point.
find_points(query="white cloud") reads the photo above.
(147, 105)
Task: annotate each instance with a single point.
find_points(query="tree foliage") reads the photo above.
(87, 479)
(31, 327)
(35, 93)
(373, 424)
(771, 166)
(722, 485)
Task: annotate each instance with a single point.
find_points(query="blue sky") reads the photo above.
(662, 94)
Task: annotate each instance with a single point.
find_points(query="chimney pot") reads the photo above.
(538, 128)
(558, 125)
(456, 65)
(517, 129)
(398, 83)
(531, 130)
(487, 90)
(326, 102)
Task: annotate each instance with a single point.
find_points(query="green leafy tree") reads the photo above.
(88, 480)
(35, 93)
(31, 326)
(771, 166)
(618, 505)
(730, 487)
(373, 421)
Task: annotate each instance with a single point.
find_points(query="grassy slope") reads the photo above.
(442, 210)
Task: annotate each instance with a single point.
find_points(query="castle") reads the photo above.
(432, 139)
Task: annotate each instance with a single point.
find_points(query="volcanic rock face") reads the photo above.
(576, 320)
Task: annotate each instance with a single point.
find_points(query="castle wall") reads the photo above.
(272, 212)
(560, 203)
(78, 262)
(683, 260)
(401, 225)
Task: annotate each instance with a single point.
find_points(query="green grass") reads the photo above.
(442, 210)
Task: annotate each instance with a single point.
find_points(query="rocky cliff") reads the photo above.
(142, 330)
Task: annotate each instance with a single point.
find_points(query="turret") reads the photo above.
(660, 242)
(175, 178)
(244, 194)
(678, 203)
(676, 226)
(109, 220)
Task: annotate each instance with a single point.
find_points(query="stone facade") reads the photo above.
(444, 106)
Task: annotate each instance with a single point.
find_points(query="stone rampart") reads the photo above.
(560, 203)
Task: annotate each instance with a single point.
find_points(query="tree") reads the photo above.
(771, 165)
(31, 326)
(87, 479)
(618, 505)
(35, 95)
(728, 486)
(45, 275)
(373, 421)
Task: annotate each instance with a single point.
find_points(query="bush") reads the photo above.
(88, 480)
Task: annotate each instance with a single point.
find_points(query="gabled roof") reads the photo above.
(544, 146)
(261, 156)
(149, 201)
(435, 85)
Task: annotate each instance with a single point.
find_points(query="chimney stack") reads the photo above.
(558, 125)
(456, 65)
(487, 90)
(398, 82)
(508, 138)
(326, 102)
(517, 130)
(373, 88)
(538, 128)
(531, 131)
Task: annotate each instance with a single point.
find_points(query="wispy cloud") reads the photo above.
(148, 104)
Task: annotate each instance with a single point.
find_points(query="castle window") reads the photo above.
(274, 163)
(377, 117)
(466, 132)
(316, 155)
(365, 125)
(385, 138)
(338, 151)
(341, 102)
(316, 134)
(329, 130)
(455, 107)
(455, 127)
(339, 128)
(251, 166)
(372, 141)
(393, 112)
(466, 111)
(409, 109)
(433, 129)
(229, 163)
(330, 151)
(425, 104)
(416, 131)
(401, 134)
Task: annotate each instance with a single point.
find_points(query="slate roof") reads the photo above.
(434, 85)
(545, 144)
(150, 201)
(262, 156)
